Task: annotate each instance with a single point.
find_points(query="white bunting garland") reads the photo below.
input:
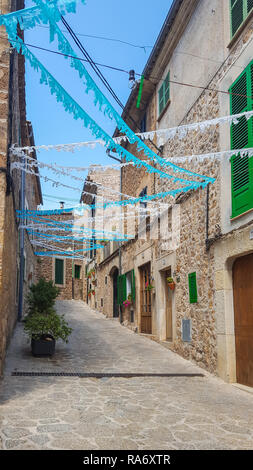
(162, 134)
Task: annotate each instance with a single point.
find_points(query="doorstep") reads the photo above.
(243, 387)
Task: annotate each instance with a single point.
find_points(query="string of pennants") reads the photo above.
(50, 13)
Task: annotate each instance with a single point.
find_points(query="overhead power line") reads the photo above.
(100, 75)
(104, 38)
(150, 78)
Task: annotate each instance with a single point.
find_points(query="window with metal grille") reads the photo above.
(164, 94)
(242, 137)
(239, 9)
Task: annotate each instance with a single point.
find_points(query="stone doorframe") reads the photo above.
(226, 251)
(163, 264)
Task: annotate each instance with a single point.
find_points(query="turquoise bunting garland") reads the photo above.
(51, 12)
(65, 47)
(71, 106)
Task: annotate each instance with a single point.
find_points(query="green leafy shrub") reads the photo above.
(42, 296)
(42, 319)
(38, 325)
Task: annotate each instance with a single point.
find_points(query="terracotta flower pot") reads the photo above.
(172, 285)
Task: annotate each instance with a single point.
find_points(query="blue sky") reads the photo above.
(137, 22)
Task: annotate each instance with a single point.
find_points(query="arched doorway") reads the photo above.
(114, 275)
(243, 312)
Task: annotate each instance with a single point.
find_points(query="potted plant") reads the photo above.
(148, 286)
(42, 324)
(91, 292)
(128, 301)
(88, 275)
(171, 283)
(92, 272)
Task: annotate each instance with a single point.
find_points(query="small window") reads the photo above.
(164, 94)
(102, 302)
(240, 9)
(77, 271)
(59, 271)
(143, 193)
(105, 280)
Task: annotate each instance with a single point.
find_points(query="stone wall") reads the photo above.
(12, 130)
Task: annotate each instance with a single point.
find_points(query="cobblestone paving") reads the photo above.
(116, 413)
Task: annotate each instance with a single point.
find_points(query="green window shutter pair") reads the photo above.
(193, 292)
(242, 137)
(59, 271)
(239, 11)
(121, 294)
(164, 93)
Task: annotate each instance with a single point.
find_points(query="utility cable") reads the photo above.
(136, 73)
(100, 75)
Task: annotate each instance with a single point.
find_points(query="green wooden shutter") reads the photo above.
(193, 293)
(242, 184)
(133, 285)
(167, 88)
(59, 270)
(239, 104)
(161, 99)
(240, 9)
(121, 294)
(164, 93)
(77, 271)
(249, 5)
(242, 137)
(237, 15)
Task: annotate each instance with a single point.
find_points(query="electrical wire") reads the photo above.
(100, 75)
(117, 69)
(103, 38)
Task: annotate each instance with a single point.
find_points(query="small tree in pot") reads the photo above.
(43, 325)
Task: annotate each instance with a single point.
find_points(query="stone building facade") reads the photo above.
(65, 272)
(202, 51)
(14, 129)
(98, 284)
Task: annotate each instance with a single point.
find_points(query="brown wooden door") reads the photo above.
(243, 308)
(168, 307)
(145, 297)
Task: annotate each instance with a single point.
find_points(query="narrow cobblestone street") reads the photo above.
(116, 413)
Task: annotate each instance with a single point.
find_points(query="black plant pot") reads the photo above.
(45, 346)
